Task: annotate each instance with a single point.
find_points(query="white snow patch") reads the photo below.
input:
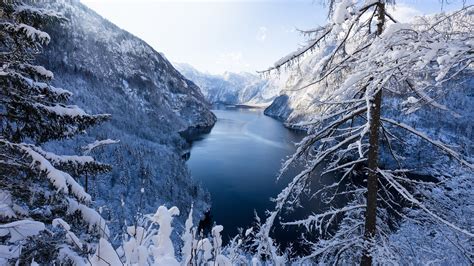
(89, 147)
(60, 110)
(20, 230)
(59, 179)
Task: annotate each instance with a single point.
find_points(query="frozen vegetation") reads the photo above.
(446, 115)
(387, 106)
(108, 70)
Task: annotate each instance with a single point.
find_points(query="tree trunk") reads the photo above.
(372, 185)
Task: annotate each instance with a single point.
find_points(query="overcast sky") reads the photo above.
(230, 35)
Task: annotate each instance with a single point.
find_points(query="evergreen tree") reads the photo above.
(45, 214)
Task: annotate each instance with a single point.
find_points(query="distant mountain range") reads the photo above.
(234, 88)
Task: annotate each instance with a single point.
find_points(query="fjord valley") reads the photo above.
(169, 132)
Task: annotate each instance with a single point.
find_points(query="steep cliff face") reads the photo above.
(111, 71)
(234, 88)
(279, 108)
(94, 49)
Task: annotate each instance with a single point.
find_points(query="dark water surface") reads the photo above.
(237, 162)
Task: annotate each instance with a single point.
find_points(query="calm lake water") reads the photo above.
(237, 163)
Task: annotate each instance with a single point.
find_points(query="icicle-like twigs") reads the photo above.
(410, 65)
(297, 54)
(287, 60)
(309, 141)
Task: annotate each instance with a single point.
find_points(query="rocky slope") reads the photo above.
(111, 71)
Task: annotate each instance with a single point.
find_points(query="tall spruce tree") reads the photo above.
(45, 214)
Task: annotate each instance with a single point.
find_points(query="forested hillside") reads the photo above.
(108, 70)
(96, 127)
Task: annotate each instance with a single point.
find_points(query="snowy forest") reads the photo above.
(103, 139)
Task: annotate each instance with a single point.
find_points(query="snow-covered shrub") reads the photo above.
(149, 243)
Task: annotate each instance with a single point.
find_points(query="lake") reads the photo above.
(237, 162)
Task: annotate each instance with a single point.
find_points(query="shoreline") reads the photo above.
(244, 106)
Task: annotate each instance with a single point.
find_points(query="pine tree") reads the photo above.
(365, 55)
(45, 214)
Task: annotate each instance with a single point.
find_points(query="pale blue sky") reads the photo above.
(236, 35)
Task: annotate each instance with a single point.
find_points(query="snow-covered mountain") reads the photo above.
(234, 88)
(111, 71)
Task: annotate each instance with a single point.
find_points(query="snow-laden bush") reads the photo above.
(149, 243)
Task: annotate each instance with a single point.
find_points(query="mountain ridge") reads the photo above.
(111, 71)
(233, 88)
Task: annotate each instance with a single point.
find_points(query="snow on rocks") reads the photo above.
(234, 88)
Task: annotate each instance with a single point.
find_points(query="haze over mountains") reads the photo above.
(234, 88)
